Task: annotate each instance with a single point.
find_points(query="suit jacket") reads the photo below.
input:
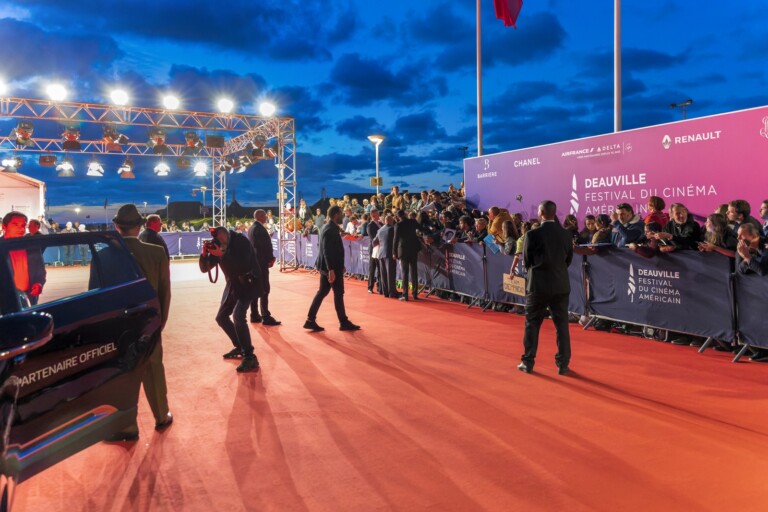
(407, 243)
(330, 250)
(238, 261)
(373, 228)
(262, 242)
(154, 265)
(386, 238)
(150, 236)
(548, 250)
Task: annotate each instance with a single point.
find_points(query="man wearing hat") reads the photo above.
(154, 265)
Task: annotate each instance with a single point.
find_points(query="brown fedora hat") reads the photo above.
(128, 216)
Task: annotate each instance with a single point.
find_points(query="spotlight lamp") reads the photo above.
(95, 169)
(113, 138)
(201, 170)
(71, 138)
(56, 92)
(193, 144)
(170, 102)
(65, 169)
(126, 170)
(3, 88)
(119, 97)
(225, 105)
(23, 134)
(10, 164)
(267, 109)
(227, 165)
(244, 160)
(162, 169)
(157, 141)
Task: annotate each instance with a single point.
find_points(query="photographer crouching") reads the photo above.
(237, 259)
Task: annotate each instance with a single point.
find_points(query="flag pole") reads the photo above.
(616, 65)
(479, 84)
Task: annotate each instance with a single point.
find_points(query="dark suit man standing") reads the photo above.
(373, 263)
(262, 243)
(330, 264)
(155, 267)
(548, 251)
(150, 234)
(386, 238)
(407, 245)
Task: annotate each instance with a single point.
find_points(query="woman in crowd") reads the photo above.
(571, 224)
(718, 237)
(510, 242)
(656, 211)
(590, 228)
(526, 227)
(603, 233)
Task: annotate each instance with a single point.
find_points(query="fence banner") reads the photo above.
(576, 300)
(190, 244)
(347, 253)
(684, 292)
(465, 269)
(751, 291)
(172, 241)
(309, 250)
(354, 263)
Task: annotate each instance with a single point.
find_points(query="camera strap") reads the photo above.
(211, 278)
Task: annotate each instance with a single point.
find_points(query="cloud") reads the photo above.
(358, 127)
(633, 60)
(419, 128)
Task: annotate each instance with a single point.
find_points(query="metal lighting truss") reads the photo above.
(247, 129)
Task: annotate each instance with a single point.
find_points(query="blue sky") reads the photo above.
(346, 69)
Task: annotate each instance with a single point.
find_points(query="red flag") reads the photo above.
(508, 10)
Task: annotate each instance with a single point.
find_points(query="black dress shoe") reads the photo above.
(349, 326)
(235, 353)
(123, 437)
(370, 291)
(256, 319)
(563, 370)
(404, 298)
(164, 424)
(269, 320)
(312, 326)
(525, 368)
(249, 364)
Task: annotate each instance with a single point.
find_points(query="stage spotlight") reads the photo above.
(162, 169)
(23, 134)
(3, 87)
(267, 109)
(201, 170)
(170, 102)
(10, 164)
(71, 137)
(157, 141)
(193, 144)
(95, 169)
(65, 168)
(113, 138)
(225, 105)
(227, 165)
(119, 97)
(56, 92)
(126, 170)
(244, 160)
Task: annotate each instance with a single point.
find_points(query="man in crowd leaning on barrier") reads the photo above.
(681, 232)
(764, 216)
(150, 234)
(752, 258)
(466, 231)
(627, 227)
(497, 218)
(739, 212)
(235, 254)
(481, 229)
(262, 244)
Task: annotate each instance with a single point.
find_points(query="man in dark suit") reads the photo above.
(386, 238)
(150, 234)
(330, 264)
(373, 263)
(262, 243)
(406, 247)
(154, 264)
(548, 251)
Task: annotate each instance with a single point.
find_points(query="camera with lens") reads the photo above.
(211, 244)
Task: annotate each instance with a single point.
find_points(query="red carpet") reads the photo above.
(424, 410)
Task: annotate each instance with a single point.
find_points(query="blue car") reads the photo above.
(72, 351)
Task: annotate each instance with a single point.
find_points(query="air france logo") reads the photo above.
(574, 197)
(631, 288)
(764, 130)
(666, 141)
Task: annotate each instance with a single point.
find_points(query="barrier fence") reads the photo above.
(688, 292)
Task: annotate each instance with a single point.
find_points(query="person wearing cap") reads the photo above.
(154, 265)
(627, 227)
(240, 265)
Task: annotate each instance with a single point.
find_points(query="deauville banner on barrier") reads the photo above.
(464, 270)
(354, 263)
(751, 291)
(576, 300)
(172, 242)
(308, 248)
(191, 243)
(692, 162)
(686, 292)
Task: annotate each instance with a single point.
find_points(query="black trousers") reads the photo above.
(536, 305)
(374, 274)
(410, 268)
(262, 300)
(338, 297)
(387, 268)
(237, 330)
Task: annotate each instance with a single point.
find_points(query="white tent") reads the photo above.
(22, 194)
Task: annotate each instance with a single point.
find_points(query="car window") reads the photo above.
(49, 268)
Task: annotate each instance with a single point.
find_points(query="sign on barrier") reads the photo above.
(354, 262)
(465, 269)
(751, 291)
(686, 292)
(309, 251)
(496, 266)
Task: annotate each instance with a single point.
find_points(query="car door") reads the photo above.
(83, 385)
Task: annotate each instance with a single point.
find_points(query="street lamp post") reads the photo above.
(376, 139)
(168, 210)
(77, 213)
(202, 189)
(144, 211)
(682, 106)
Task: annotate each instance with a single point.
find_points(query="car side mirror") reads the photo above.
(23, 332)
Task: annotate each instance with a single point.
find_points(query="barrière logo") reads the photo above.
(666, 141)
(574, 197)
(631, 288)
(764, 129)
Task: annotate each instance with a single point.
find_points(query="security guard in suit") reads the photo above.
(155, 266)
